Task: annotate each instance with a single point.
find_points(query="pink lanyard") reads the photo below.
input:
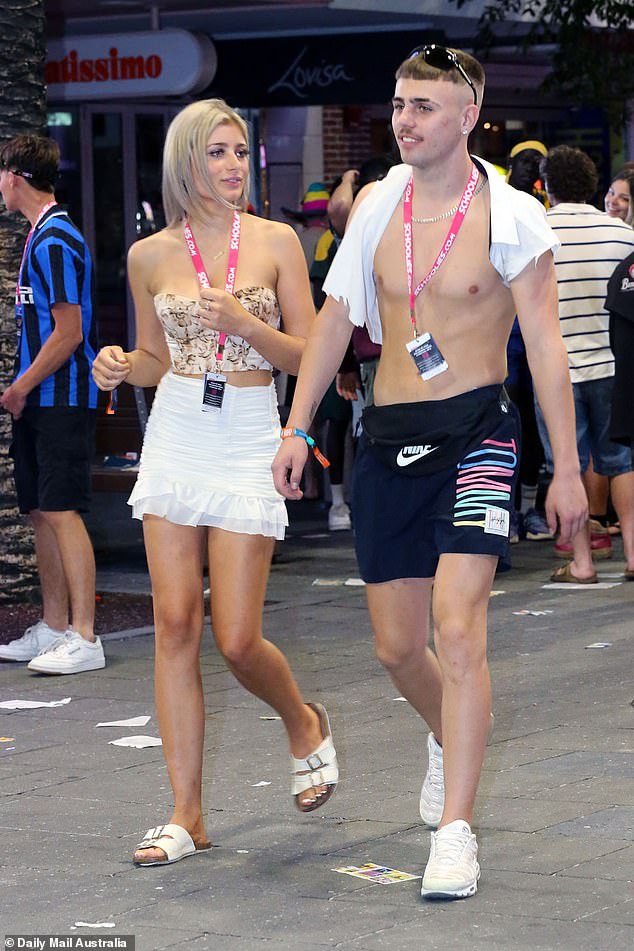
(232, 266)
(447, 245)
(47, 207)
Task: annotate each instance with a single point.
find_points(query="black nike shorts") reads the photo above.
(403, 524)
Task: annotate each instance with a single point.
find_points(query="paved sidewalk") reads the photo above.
(555, 815)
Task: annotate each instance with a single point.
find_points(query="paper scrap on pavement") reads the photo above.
(532, 613)
(7, 739)
(378, 874)
(328, 582)
(270, 718)
(402, 699)
(95, 924)
(133, 721)
(598, 645)
(31, 704)
(138, 742)
(354, 582)
(494, 594)
(262, 783)
(570, 586)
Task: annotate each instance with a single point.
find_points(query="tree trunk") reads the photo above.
(22, 110)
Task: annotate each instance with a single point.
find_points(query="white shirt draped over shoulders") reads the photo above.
(520, 233)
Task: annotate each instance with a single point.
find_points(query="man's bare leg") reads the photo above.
(460, 603)
(581, 565)
(78, 564)
(622, 488)
(51, 573)
(399, 611)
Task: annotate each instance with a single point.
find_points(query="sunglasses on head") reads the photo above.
(441, 58)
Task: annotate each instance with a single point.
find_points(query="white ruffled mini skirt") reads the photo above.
(213, 468)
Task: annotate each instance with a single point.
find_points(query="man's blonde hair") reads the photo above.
(185, 156)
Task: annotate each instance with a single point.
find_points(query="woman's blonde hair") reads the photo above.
(185, 156)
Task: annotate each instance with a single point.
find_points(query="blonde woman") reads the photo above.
(221, 297)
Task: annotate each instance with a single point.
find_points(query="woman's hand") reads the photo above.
(222, 312)
(110, 368)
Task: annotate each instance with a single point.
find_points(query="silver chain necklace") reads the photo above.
(452, 211)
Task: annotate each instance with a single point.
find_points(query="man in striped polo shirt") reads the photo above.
(52, 400)
(592, 245)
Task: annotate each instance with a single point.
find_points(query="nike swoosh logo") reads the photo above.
(412, 454)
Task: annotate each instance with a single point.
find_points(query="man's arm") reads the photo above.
(537, 306)
(341, 200)
(60, 346)
(326, 345)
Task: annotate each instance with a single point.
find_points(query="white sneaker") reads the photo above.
(70, 654)
(452, 870)
(339, 518)
(432, 795)
(36, 638)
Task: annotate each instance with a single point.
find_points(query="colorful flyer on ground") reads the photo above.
(378, 874)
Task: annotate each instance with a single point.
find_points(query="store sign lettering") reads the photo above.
(300, 78)
(150, 63)
(72, 69)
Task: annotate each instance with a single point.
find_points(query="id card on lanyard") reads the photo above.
(24, 295)
(215, 383)
(423, 349)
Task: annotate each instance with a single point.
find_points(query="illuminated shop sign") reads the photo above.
(116, 65)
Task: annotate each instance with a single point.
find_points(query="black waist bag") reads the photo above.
(417, 439)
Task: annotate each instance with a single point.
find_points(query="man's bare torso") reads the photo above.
(466, 308)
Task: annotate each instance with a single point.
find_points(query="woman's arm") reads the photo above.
(146, 364)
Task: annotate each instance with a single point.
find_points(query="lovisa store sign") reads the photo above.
(117, 65)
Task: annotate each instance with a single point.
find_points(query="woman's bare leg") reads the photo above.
(175, 560)
(238, 572)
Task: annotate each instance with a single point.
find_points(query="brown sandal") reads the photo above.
(565, 575)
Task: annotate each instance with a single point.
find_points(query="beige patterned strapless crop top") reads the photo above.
(193, 348)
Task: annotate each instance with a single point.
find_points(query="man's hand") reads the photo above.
(567, 501)
(13, 400)
(348, 384)
(288, 466)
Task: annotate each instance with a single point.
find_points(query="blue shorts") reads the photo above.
(593, 407)
(403, 524)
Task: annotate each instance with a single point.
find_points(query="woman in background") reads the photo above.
(619, 198)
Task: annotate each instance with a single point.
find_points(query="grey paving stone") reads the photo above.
(618, 864)
(616, 822)
(487, 932)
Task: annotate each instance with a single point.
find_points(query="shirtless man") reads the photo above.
(444, 414)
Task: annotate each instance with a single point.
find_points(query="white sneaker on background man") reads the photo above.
(339, 518)
(36, 638)
(70, 654)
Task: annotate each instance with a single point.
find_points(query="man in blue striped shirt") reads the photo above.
(52, 400)
(592, 245)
